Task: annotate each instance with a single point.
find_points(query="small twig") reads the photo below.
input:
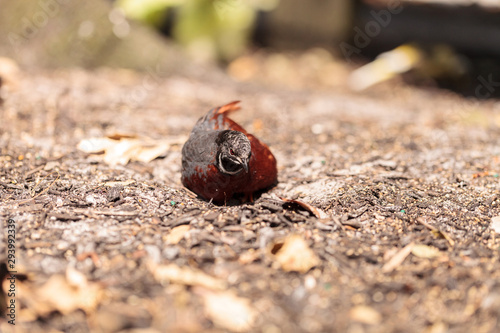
(45, 190)
(336, 221)
(436, 231)
(12, 186)
(92, 255)
(67, 217)
(423, 222)
(398, 258)
(89, 212)
(29, 173)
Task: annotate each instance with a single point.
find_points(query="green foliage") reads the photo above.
(209, 29)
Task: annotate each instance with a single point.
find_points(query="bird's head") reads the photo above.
(233, 152)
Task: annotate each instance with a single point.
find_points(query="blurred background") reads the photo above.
(319, 44)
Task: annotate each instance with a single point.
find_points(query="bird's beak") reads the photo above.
(244, 163)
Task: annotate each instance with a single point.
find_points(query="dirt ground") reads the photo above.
(403, 184)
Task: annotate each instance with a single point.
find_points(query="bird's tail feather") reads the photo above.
(228, 108)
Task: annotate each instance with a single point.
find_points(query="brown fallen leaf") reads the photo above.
(248, 257)
(5, 327)
(320, 214)
(293, 254)
(125, 150)
(75, 278)
(176, 234)
(365, 314)
(119, 183)
(425, 251)
(398, 258)
(186, 276)
(95, 145)
(120, 149)
(495, 224)
(228, 311)
(10, 73)
(438, 327)
(62, 293)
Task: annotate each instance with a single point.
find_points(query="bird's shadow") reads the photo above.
(240, 199)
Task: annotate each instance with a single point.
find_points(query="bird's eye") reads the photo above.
(231, 151)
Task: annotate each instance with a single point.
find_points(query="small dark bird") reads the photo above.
(221, 159)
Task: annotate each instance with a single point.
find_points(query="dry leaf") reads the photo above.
(95, 145)
(425, 251)
(75, 278)
(320, 214)
(295, 255)
(9, 72)
(119, 183)
(442, 234)
(64, 294)
(365, 314)
(120, 149)
(398, 258)
(147, 154)
(438, 327)
(248, 257)
(176, 234)
(495, 224)
(185, 275)
(228, 311)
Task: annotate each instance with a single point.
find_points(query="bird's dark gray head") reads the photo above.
(233, 152)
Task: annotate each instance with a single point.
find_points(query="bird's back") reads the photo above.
(217, 119)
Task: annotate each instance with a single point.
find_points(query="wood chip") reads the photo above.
(185, 275)
(64, 294)
(398, 258)
(295, 255)
(365, 314)
(425, 251)
(65, 217)
(228, 311)
(176, 234)
(436, 231)
(495, 224)
(320, 214)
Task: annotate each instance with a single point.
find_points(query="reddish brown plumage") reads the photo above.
(200, 172)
